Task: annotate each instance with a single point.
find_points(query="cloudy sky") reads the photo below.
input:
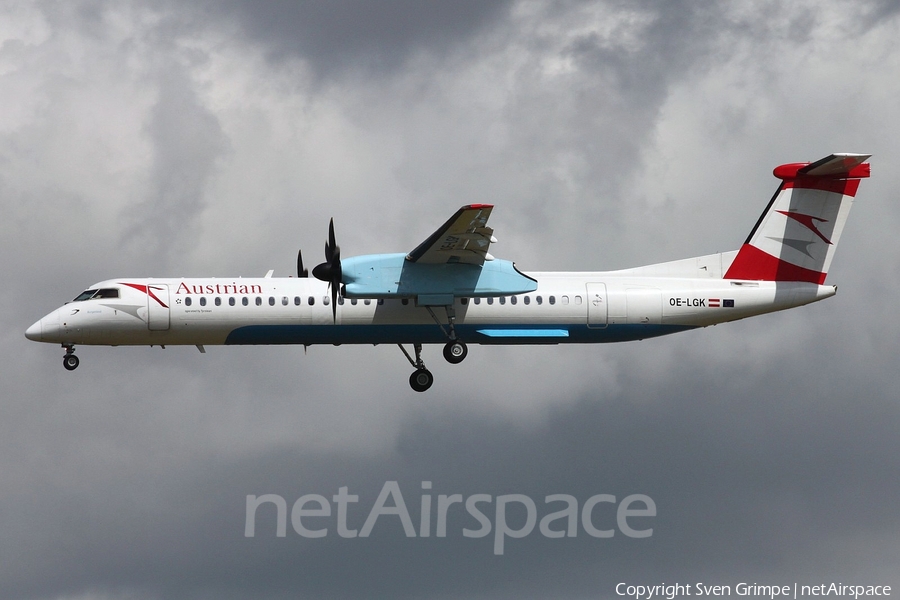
(202, 138)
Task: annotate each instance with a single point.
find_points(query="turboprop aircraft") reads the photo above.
(450, 290)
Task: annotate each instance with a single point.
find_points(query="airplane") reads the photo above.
(450, 290)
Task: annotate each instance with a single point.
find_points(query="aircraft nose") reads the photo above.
(34, 332)
(45, 330)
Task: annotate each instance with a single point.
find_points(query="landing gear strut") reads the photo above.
(421, 379)
(70, 361)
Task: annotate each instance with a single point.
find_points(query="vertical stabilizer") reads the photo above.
(797, 234)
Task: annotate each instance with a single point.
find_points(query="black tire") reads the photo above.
(455, 352)
(70, 362)
(421, 380)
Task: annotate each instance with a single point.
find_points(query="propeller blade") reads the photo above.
(330, 271)
(334, 293)
(301, 272)
(331, 241)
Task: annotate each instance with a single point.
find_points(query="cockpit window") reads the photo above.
(85, 295)
(94, 294)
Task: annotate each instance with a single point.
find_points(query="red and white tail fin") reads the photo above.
(796, 236)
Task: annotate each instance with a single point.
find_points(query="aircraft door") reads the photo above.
(158, 306)
(597, 311)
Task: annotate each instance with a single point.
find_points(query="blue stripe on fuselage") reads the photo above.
(432, 334)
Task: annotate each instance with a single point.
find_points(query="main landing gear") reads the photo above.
(455, 351)
(70, 361)
(421, 379)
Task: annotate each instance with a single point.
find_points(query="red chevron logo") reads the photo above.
(147, 289)
(807, 221)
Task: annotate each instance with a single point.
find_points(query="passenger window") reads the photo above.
(512, 299)
(577, 299)
(325, 300)
(284, 300)
(490, 300)
(353, 301)
(477, 300)
(218, 301)
(527, 299)
(380, 301)
(259, 301)
(245, 301)
(271, 300)
(187, 301)
(552, 299)
(539, 300)
(296, 300)
(202, 300)
(463, 301)
(231, 301)
(565, 299)
(311, 301)
(502, 299)
(367, 301)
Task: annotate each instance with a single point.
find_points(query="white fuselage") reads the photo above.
(584, 307)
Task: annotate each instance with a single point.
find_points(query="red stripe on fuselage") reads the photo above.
(146, 289)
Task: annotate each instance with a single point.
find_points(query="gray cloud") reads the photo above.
(359, 37)
(187, 140)
(745, 488)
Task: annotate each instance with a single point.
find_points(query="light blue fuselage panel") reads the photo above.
(392, 276)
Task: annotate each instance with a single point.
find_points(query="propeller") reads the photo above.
(301, 272)
(330, 270)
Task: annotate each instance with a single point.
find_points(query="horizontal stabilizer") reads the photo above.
(835, 166)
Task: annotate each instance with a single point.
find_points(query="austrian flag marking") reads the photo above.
(720, 303)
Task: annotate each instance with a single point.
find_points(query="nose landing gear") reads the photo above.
(70, 361)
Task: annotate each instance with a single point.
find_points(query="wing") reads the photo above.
(464, 238)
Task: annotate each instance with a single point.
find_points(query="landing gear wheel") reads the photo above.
(70, 362)
(421, 380)
(455, 352)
